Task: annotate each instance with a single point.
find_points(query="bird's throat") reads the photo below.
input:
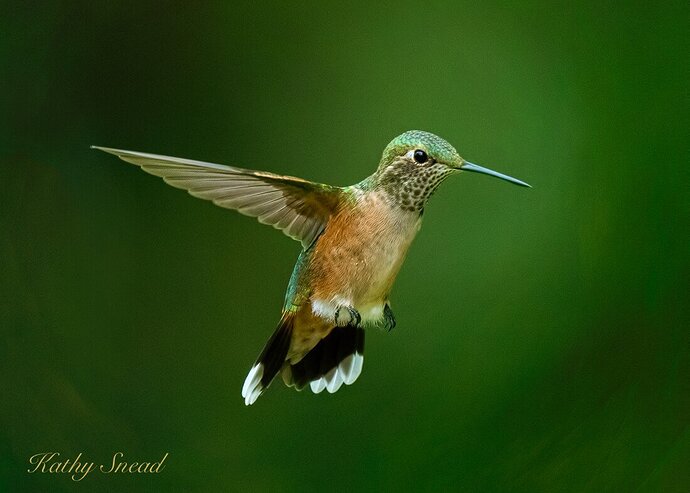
(410, 186)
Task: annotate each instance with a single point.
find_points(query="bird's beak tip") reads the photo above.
(467, 166)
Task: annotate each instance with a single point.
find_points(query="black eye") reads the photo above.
(420, 156)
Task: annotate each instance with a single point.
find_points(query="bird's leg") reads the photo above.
(388, 322)
(346, 315)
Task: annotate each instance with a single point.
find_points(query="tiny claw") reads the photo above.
(388, 318)
(356, 316)
(352, 318)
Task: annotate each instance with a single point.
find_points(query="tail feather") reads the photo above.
(269, 362)
(335, 360)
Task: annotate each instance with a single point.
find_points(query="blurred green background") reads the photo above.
(542, 340)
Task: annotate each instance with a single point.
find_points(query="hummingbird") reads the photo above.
(354, 240)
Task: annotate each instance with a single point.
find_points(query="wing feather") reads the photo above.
(298, 207)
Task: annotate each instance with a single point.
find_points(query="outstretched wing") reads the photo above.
(298, 207)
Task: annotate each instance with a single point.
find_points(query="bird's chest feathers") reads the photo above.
(360, 253)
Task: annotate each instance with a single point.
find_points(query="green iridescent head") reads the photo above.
(415, 163)
(431, 146)
(417, 150)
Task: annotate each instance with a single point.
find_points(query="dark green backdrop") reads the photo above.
(542, 340)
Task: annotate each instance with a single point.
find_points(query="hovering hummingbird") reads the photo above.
(354, 240)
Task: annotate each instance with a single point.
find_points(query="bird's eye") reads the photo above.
(420, 156)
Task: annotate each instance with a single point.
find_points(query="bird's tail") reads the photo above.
(334, 360)
(337, 359)
(270, 361)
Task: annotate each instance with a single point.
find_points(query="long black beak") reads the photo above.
(467, 166)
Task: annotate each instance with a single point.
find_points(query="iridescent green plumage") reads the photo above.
(434, 145)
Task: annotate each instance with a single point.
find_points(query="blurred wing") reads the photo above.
(298, 207)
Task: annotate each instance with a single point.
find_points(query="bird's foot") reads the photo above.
(346, 315)
(388, 322)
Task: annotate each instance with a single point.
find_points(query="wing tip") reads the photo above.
(109, 150)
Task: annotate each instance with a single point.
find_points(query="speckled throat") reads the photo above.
(409, 184)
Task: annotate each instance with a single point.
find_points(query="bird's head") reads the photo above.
(415, 163)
